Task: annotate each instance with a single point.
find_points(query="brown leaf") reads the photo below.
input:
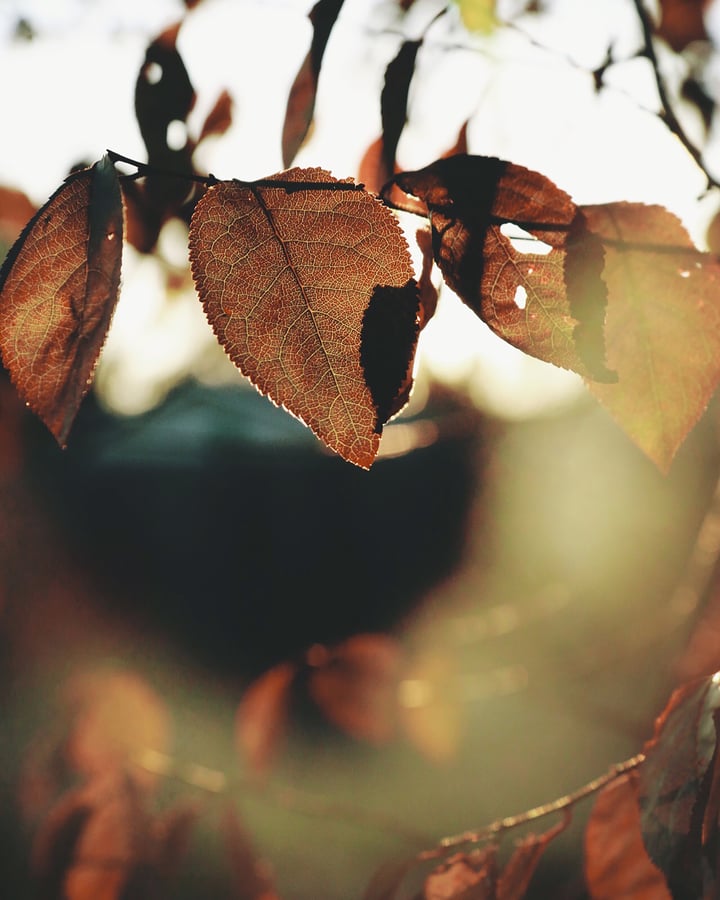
(356, 685)
(252, 876)
(431, 711)
(520, 868)
(301, 101)
(287, 274)
(58, 290)
(471, 876)
(523, 296)
(662, 333)
(16, 210)
(426, 289)
(219, 119)
(676, 790)
(616, 862)
(262, 716)
(101, 835)
(681, 22)
(115, 717)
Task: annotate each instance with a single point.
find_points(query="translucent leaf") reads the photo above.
(301, 102)
(472, 202)
(616, 861)
(662, 331)
(676, 791)
(301, 277)
(58, 289)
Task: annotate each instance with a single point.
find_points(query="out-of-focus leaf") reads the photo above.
(662, 331)
(355, 684)
(164, 97)
(301, 102)
(294, 280)
(616, 861)
(478, 15)
(252, 878)
(114, 717)
(262, 716)
(676, 790)
(219, 119)
(520, 868)
(432, 714)
(427, 290)
(681, 22)
(471, 876)
(58, 289)
(387, 880)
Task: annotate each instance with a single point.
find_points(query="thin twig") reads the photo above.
(667, 114)
(538, 812)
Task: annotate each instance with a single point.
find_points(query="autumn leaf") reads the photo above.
(300, 276)
(678, 791)
(465, 876)
(355, 685)
(301, 102)
(114, 716)
(520, 868)
(251, 875)
(523, 296)
(58, 289)
(662, 332)
(616, 861)
(261, 718)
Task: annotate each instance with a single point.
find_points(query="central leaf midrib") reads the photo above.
(291, 266)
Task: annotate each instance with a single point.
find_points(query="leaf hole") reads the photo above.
(176, 135)
(523, 241)
(153, 73)
(520, 297)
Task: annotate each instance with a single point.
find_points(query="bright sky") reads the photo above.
(528, 91)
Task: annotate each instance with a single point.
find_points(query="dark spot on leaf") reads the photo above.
(389, 335)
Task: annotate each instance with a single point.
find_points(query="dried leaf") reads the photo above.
(262, 716)
(520, 868)
(681, 22)
(301, 102)
(116, 717)
(16, 210)
(388, 879)
(662, 333)
(675, 789)
(616, 862)
(471, 876)
(294, 279)
(252, 877)
(54, 845)
(219, 119)
(426, 289)
(356, 685)
(58, 289)
(470, 199)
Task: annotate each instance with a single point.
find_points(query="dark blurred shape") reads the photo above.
(221, 518)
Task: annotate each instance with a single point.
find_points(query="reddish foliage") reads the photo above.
(59, 286)
(301, 102)
(298, 308)
(616, 861)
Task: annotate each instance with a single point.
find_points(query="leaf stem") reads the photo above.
(667, 113)
(559, 805)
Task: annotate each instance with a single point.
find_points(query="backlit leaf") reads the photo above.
(58, 289)
(676, 791)
(262, 716)
(662, 332)
(471, 876)
(356, 685)
(251, 875)
(301, 102)
(616, 861)
(115, 716)
(520, 288)
(520, 868)
(299, 281)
